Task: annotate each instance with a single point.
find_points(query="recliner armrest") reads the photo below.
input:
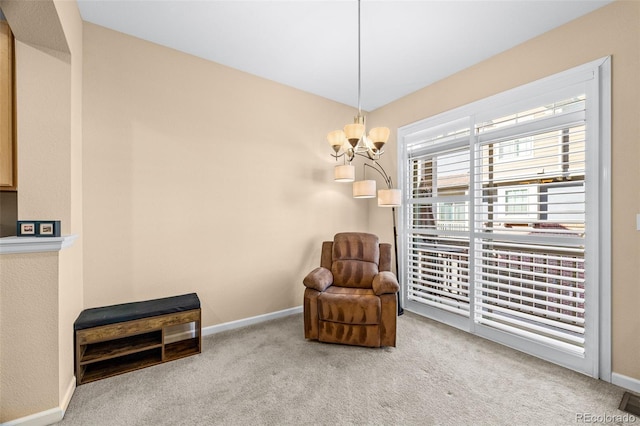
(319, 279)
(385, 283)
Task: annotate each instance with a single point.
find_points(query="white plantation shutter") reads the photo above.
(438, 254)
(529, 223)
(502, 220)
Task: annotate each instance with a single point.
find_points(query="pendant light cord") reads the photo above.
(359, 84)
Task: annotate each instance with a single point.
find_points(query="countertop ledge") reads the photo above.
(12, 245)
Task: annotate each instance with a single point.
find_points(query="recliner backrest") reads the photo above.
(355, 259)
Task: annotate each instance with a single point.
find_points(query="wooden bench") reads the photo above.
(115, 339)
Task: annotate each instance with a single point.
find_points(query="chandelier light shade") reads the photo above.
(354, 132)
(344, 173)
(389, 197)
(364, 189)
(379, 136)
(336, 139)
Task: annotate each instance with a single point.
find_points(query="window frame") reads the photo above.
(599, 165)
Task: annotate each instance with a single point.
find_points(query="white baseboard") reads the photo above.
(47, 417)
(218, 328)
(43, 418)
(626, 382)
(66, 399)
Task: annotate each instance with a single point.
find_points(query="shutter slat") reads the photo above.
(577, 349)
(525, 303)
(509, 318)
(543, 279)
(448, 305)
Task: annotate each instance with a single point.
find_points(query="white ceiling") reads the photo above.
(313, 45)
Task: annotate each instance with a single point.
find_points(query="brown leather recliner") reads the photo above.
(352, 297)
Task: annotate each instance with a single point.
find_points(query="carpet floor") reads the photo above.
(268, 374)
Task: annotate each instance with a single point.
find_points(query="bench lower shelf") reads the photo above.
(114, 366)
(114, 349)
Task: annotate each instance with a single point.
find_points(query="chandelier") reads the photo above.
(353, 141)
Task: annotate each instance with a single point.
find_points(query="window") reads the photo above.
(517, 148)
(516, 201)
(515, 205)
(503, 210)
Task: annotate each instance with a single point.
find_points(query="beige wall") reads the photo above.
(29, 337)
(613, 30)
(201, 178)
(42, 292)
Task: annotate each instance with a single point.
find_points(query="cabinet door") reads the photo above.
(7, 146)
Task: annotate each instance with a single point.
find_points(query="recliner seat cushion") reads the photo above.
(349, 306)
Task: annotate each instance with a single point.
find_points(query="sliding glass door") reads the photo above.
(501, 230)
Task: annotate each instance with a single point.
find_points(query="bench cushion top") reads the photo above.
(106, 315)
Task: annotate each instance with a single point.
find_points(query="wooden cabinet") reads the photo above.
(113, 349)
(8, 172)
